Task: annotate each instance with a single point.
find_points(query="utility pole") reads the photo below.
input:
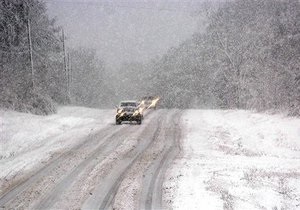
(30, 47)
(65, 62)
(64, 50)
(69, 75)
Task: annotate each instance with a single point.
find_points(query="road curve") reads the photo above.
(120, 167)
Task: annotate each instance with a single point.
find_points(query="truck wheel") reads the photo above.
(139, 122)
(118, 122)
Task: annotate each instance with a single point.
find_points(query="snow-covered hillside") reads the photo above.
(28, 141)
(236, 160)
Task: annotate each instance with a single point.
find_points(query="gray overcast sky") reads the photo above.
(125, 31)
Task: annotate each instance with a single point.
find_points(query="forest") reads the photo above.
(248, 57)
(36, 70)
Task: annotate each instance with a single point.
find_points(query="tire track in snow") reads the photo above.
(96, 158)
(151, 159)
(151, 197)
(105, 192)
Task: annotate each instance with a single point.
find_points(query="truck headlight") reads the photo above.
(119, 111)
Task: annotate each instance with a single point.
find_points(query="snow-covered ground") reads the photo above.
(236, 160)
(230, 159)
(29, 140)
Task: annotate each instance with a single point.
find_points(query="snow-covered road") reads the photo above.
(120, 167)
(78, 158)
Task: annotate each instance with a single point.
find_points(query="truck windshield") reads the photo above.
(124, 104)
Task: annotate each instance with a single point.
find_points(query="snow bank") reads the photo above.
(238, 160)
(28, 140)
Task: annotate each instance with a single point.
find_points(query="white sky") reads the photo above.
(125, 31)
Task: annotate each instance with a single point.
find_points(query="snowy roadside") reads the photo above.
(27, 140)
(236, 160)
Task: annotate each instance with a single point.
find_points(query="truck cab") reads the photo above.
(129, 111)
